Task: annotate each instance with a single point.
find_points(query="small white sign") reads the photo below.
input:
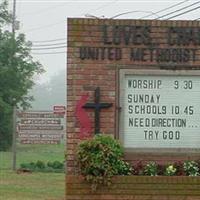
(160, 111)
(59, 110)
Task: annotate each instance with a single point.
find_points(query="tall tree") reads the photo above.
(17, 69)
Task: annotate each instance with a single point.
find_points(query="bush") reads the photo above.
(100, 158)
(55, 165)
(138, 168)
(170, 170)
(50, 164)
(151, 169)
(179, 168)
(40, 166)
(31, 166)
(191, 168)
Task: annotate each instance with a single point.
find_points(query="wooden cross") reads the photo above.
(97, 106)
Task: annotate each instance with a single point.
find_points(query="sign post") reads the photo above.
(14, 142)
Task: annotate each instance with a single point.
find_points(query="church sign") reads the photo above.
(160, 109)
(40, 127)
(138, 80)
(141, 45)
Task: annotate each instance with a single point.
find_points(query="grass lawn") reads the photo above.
(34, 186)
(33, 153)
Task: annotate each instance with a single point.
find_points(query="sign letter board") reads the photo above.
(40, 127)
(160, 110)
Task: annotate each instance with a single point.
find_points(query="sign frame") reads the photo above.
(38, 123)
(151, 72)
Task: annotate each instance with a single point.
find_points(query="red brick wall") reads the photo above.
(84, 75)
(136, 188)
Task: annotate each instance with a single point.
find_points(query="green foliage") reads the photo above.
(191, 168)
(100, 158)
(17, 69)
(55, 165)
(41, 166)
(5, 16)
(188, 168)
(31, 166)
(33, 152)
(5, 125)
(151, 169)
(170, 170)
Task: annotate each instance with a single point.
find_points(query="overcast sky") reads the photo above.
(43, 20)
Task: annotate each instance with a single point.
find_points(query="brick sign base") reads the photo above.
(136, 188)
(100, 55)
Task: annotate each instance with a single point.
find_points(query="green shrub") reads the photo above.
(31, 166)
(100, 158)
(50, 164)
(151, 169)
(40, 164)
(191, 168)
(55, 165)
(170, 170)
(58, 165)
